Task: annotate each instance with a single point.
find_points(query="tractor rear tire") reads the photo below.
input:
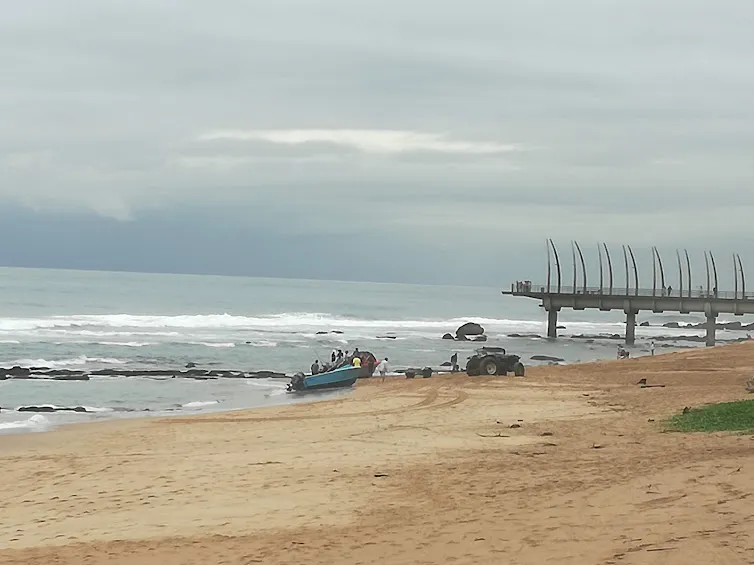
(489, 367)
(519, 370)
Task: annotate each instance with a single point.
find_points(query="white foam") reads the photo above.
(264, 343)
(306, 323)
(36, 423)
(299, 320)
(199, 404)
(72, 362)
(124, 343)
(267, 383)
(97, 409)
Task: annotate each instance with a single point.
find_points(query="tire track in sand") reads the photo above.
(428, 402)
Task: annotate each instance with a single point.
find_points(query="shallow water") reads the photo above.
(87, 320)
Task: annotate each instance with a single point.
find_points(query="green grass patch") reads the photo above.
(723, 417)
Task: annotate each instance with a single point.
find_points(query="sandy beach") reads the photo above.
(568, 465)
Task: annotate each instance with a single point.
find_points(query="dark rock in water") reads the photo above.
(337, 332)
(191, 364)
(81, 377)
(644, 324)
(480, 338)
(446, 364)
(469, 328)
(50, 409)
(266, 375)
(560, 327)
(190, 373)
(318, 333)
(526, 335)
(391, 337)
(448, 336)
(673, 325)
(546, 358)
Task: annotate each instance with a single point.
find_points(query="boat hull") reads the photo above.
(338, 378)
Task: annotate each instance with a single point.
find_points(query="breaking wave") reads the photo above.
(200, 404)
(311, 325)
(79, 361)
(37, 423)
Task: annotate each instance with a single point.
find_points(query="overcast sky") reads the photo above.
(385, 140)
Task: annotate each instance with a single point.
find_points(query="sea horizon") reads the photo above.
(260, 277)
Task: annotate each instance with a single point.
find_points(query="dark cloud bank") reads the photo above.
(442, 141)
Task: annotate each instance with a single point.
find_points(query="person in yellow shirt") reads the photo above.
(356, 362)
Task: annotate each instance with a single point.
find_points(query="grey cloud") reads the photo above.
(631, 113)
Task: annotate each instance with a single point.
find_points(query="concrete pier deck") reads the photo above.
(634, 300)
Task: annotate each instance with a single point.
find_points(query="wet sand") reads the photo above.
(568, 465)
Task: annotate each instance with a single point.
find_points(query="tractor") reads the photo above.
(494, 361)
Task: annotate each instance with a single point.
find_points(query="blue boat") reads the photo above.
(336, 378)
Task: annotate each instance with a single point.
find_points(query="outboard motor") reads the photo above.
(297, 382)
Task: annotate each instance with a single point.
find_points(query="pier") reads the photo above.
(630, 297)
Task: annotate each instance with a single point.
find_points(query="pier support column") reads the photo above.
(552, 323)
(630, 328)
(710, 326)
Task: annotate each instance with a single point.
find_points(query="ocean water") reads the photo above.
(92, 320)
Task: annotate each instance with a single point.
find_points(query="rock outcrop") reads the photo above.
(69, 375)
(546, 358)
(469, 329)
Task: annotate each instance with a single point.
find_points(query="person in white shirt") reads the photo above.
(383, 367)
(652, 348)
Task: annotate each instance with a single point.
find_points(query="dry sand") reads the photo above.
(404, 472)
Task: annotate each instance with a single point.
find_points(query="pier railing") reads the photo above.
(526, 289)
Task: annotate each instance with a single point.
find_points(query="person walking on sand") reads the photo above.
(383, 368)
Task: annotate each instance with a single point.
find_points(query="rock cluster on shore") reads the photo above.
(72, 375)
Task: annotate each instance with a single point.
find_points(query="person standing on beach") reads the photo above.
(652, 348)
(315, 367)
(454, 362)
(383, 368)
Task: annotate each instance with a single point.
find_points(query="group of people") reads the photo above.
(339, 359)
